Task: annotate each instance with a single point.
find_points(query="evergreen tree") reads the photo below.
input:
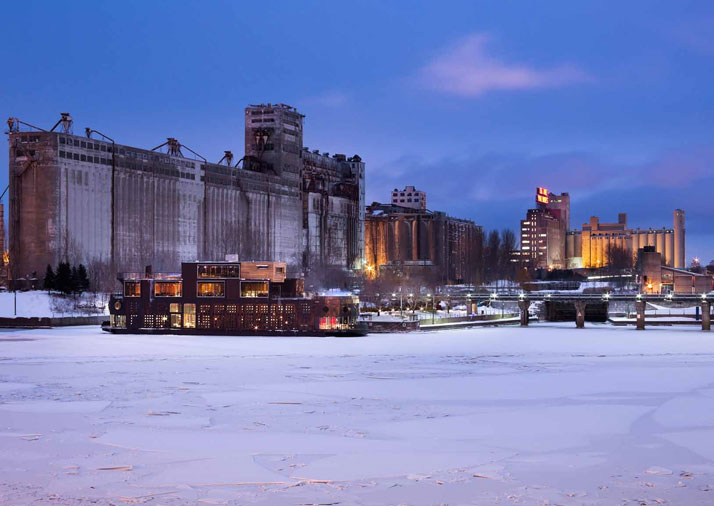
(74, 279)
(49, 283)
(82, 278)
(63, 279)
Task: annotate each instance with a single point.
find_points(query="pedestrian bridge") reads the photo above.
(581, 300)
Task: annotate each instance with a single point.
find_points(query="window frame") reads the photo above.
(135, 283)
(212, 282)
(157, 283)
(267, 290)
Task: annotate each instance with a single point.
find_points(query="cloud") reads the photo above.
(457, 184)
(495, 189)
(467, 69)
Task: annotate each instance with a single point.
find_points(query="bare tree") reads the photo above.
(618, 258)
(492, 253)
(508, 245)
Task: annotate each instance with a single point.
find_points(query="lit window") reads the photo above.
(176, 320)
(210, 289)
(167, 289)
(219, 271)
(132, 289)
(118, 321)
(189, 316)
(254, 289)
(174, 307)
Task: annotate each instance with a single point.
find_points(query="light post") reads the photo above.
(413, 302)
(433, 309)
(401, 303)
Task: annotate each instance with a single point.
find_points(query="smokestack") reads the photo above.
(679, 233)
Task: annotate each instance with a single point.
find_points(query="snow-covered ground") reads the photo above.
(541, 415)
(43, 304)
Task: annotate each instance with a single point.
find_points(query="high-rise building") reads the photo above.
(88, 199)
(543, 231)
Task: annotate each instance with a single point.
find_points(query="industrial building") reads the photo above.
(591, 246)
(421, 244)
(656, 277)
(89, 199)
(547, 242)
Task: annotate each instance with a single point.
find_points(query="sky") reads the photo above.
(476, 103)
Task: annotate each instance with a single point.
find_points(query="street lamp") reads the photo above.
(433, 308)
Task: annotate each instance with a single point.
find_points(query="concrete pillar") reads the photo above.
(415, 240)
(523, 305)
(706, 315)
(580, 314)
(640, 308)
(669, 249)
(660, 243)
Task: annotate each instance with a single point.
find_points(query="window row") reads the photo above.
(219, 271)
(248, 289)
(85, 144)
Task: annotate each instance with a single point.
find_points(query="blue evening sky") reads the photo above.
(476, 103)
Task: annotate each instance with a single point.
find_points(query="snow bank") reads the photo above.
(43, 304)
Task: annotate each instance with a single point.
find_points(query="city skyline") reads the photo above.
(613, 113)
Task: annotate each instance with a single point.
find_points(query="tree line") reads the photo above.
(497, 255)
(67, 278)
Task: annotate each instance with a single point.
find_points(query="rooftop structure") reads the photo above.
(409, 197)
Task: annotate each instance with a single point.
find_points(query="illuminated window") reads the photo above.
(254, 289)
(176, 321)
(132, 289)
(174, 307)
(189, 316)
(167, 289)
(219, 271)
(210, 289)
(118, 321)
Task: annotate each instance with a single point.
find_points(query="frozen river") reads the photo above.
(542, 415)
